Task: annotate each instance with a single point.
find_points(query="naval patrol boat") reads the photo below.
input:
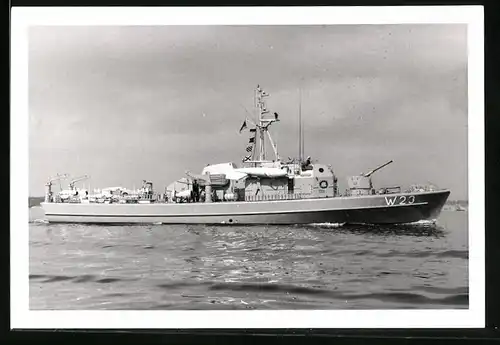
(259, 191)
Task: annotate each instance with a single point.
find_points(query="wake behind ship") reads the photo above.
(261, 191)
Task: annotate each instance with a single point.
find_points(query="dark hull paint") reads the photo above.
(405, 208)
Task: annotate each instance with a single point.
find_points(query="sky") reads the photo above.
(124, 104)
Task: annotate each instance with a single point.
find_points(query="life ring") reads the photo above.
(323, 184)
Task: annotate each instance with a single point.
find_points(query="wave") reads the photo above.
(404, 297)
(458, 297)
(414, 230)
(424, 222)
(198, 292)
(327, 225)
(76, 279)
(458, 254)
(463, 290)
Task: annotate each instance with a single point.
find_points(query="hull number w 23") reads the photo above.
(400, 200)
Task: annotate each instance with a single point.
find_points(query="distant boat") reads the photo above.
(262, 191)
(459, 207)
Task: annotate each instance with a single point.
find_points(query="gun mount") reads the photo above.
(362, 184)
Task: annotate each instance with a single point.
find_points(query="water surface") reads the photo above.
(249, 267)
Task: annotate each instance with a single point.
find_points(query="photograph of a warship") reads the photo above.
(290, 168)
(263, 190)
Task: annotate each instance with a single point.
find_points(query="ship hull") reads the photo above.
(372, 209)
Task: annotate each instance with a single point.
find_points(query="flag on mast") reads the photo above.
(251, 142)
(243, 126)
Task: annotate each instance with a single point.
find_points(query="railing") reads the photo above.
(163, 198)
(128, 198)
(291, 196)
(136, 198)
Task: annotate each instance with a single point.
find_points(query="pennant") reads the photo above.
(247, 158)
(249, 149)
(253, 130)
(276, 116)
(243, 126)
(252, 140)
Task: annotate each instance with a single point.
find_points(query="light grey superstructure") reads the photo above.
(261, 191)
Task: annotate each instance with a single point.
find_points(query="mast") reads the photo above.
(303, 136)
(262, 126)
(257, 145)
(300, 124)
(261, 108)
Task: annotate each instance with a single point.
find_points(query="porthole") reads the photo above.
(321, 170)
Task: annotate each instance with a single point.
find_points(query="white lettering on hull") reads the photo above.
(399, 200)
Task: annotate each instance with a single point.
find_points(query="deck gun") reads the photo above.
(362, 184)
(368, 174)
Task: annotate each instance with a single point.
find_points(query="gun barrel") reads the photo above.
(378, 168)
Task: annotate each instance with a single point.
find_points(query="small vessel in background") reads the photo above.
(260, 191)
